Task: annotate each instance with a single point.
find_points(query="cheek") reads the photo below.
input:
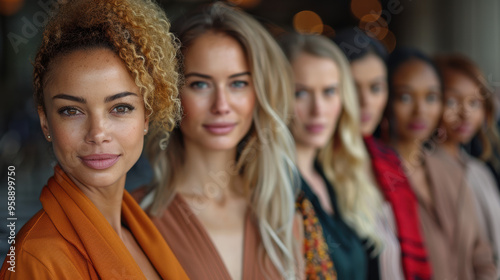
(379, 102)
(301, 111)
(192, 108)
(435, 112)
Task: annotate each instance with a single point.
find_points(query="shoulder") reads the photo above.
(41, 251)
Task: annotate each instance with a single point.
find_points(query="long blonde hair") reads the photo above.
(265, 157)
(344, 157)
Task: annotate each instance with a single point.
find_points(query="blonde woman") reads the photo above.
(222, 195)
(331, 154)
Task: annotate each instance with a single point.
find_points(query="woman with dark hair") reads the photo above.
(99, 88)
(469, 112)
(456, 247)
(404, 252)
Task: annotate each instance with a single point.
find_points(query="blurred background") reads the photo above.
(459, 26)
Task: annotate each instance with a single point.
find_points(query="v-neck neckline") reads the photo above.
(211, 246)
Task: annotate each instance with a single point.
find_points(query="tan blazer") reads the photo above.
(456, 246)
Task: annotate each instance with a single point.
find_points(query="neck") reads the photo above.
(411, 152)
(208, 173)
(305, 159)
(451, 148)
(108, 201)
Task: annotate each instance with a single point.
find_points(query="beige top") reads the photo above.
(487, 201)
(456, 247)
(391, 266)
(196, 252)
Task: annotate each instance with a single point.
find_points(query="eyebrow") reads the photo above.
(209, 77)
(118, 96)
(83, 101)
(304, 87)
(70, 97)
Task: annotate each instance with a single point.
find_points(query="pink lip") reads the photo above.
(315, 128)
(220, 128)
(100, 161)
(365, 117)
(463, 128)
(417, 126)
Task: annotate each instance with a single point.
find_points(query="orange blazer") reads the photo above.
(70, 239)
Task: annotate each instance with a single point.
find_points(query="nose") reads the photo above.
(220, 104)
(317, 104)
(363, 95)
(97, 130)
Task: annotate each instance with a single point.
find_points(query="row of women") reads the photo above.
(263, 157)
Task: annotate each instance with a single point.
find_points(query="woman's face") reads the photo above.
(218, 97)
(317, 100)
(417, 100)
(370, 76)
(95, 117)
(464, 111)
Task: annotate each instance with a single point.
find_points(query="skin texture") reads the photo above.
(317, 109)
(417, 100)
(417, 109)
(93, 107)
(218, 89)
(464, 111)
(216, 92)
(370, 76)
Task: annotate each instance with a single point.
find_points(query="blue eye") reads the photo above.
(123, 109)
(376, 88)
(198, 85)
(300, 93)
(69, 111)
(330, 91)
(239, 84)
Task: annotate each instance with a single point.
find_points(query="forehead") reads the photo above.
(416, 74)
(314, 70)
(368, 67)
(89, 73)
(215, 54)
(458, 84)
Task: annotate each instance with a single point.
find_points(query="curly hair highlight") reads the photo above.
(137, 31)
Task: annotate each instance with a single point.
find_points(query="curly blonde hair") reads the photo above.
(137, 31)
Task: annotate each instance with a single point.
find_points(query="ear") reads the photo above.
(44, 123)
(146, 124)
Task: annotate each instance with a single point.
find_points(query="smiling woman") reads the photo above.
(98, 86)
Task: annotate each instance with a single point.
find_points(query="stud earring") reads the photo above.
(145, 131)
(48, 136)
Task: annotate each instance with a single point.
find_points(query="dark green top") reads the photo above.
(345, 248)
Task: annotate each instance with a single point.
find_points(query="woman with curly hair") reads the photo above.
(456, 247)
(223, 195)
(104, 75)
(331, 153)
(469, 111)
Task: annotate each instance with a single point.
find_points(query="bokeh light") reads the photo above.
(389, 41)
(328, 31)
(308, 22)
(246, 4)
(360, 8)
(10, 7)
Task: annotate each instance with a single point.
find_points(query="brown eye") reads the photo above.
(69, 111)
(123, 109)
